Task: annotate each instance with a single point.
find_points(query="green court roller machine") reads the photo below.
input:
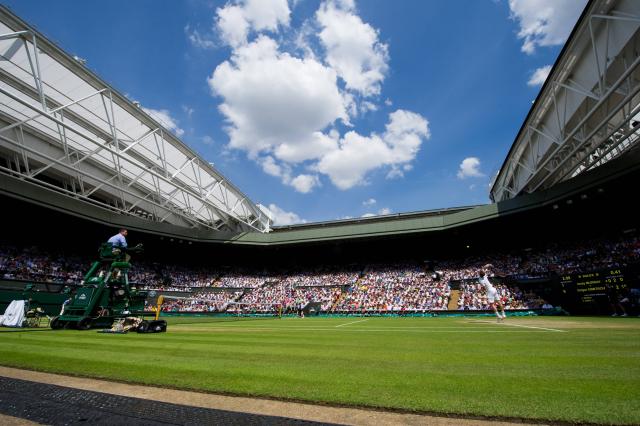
(105, 295)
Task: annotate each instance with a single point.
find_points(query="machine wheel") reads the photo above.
(159, 326)
(56, 324)
(84, 324)
(143, 327)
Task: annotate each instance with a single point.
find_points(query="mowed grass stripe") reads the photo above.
(587, 374)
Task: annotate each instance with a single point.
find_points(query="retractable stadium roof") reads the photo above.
(588, 111)
(65, 129)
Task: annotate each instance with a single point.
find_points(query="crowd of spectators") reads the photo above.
(354, 288)
(396, 288)
(324, 286)
(577, 257)
(597, 254)
(325, 276)
(325, 295)
(267, 298)
(289, 290)
(171, 277)
(243, 279)
(209, 301)
(33, 264)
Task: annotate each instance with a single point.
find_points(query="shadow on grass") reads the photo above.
(217, 320)
(23, 330)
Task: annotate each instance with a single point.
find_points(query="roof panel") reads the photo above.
(159, 161)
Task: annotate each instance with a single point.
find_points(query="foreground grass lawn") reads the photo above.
(571, 369)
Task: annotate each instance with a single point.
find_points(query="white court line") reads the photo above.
(358, 330)
(353, 322)
(311, 327)
(520, 325)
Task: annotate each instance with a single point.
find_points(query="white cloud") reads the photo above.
(188, 110)
(352, 47)
(382, 212)
(267, 14)
(274, 100)
(303, 39)
(313, 146)
(348, 165)
(302, 183)
(164, 117)
(395, 173)
(539, 76)
(207, 140)
(282, 217)
(367, 106)
(403, 134)
(282, 109)
(357, 155)
(369, 202)
(197, 40)
(545, 22)
(305, 183)
(469, 168)
(270, 167)
(349, 5)
(232, 24)
(234, 21)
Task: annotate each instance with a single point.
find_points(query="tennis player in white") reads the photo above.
(492, 293)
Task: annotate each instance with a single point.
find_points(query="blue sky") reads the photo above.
(329, 109)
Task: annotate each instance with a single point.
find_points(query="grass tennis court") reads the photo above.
(552, 368)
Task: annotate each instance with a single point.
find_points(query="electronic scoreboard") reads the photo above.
(593, 290)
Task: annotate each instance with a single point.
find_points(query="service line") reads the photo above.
(520, 325)
(353, 322)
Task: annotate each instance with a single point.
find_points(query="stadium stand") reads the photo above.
(559, 199)
(202, 302)
(372, 288)
(395, 288)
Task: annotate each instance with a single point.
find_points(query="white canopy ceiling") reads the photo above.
(61, 120)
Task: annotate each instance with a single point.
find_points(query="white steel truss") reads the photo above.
(588, 111)
(62, 128)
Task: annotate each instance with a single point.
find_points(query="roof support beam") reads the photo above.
(115, 154)
(83, 124)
